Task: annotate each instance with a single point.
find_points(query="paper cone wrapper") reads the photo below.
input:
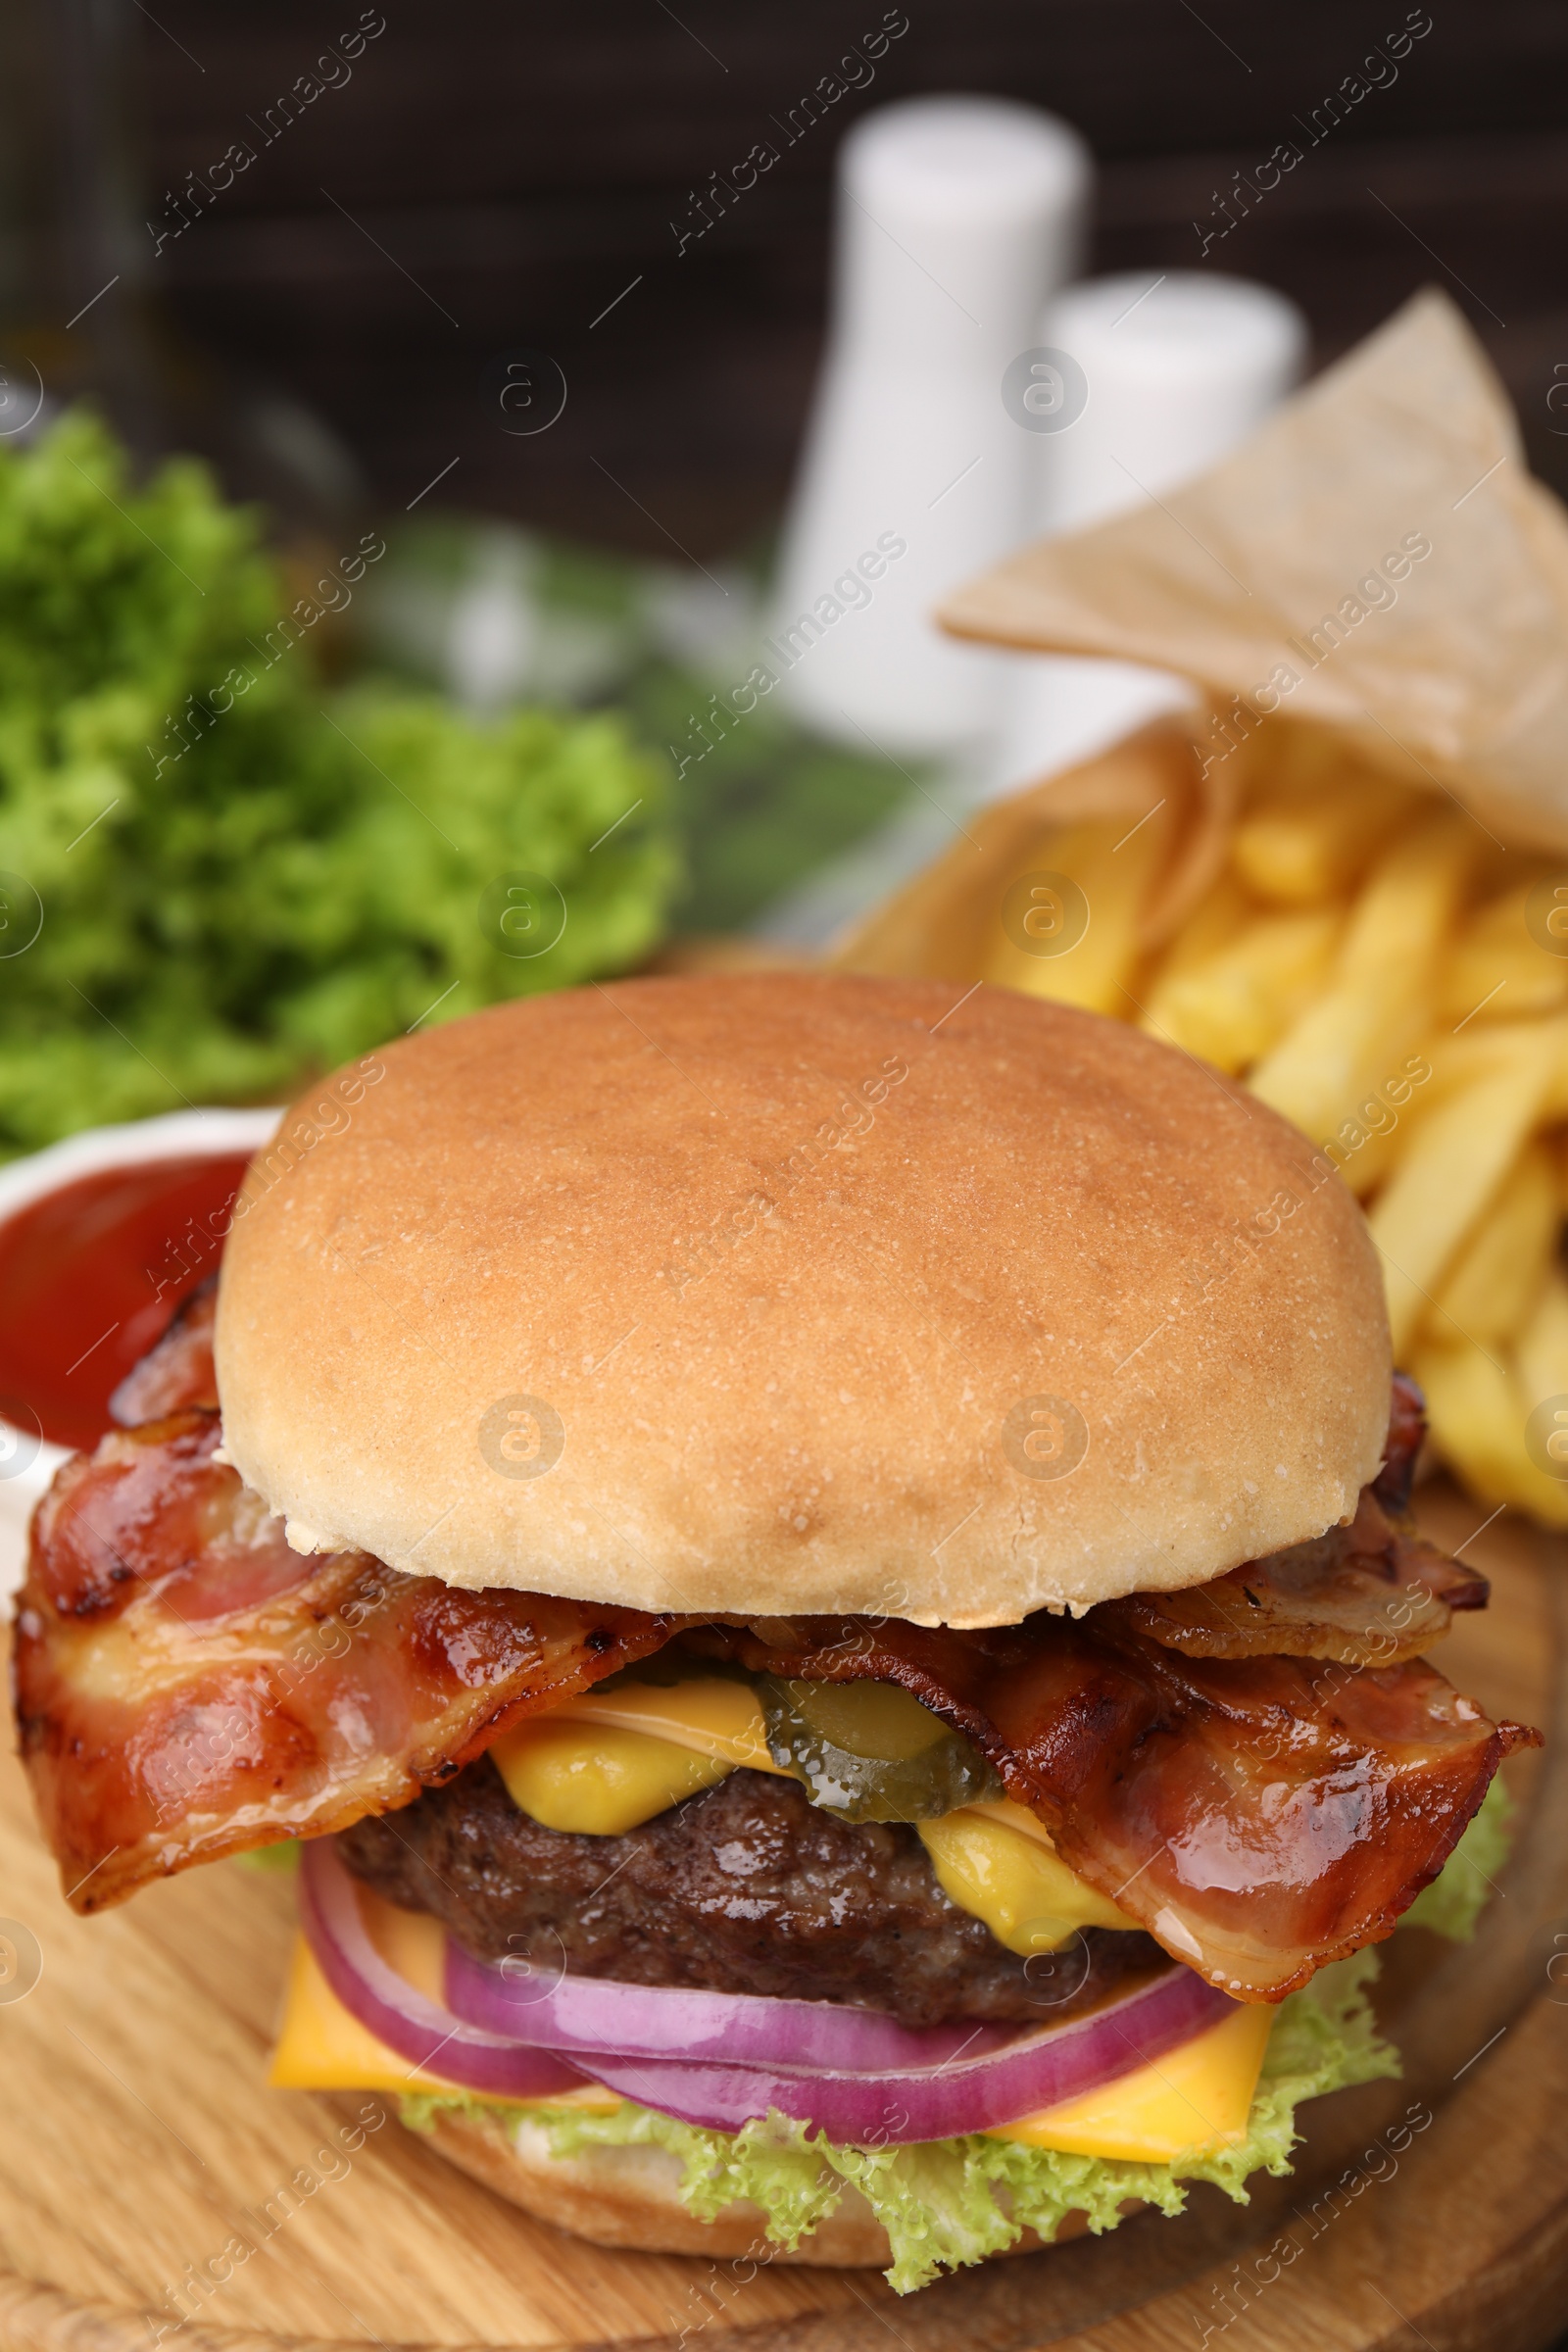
(1375, 562)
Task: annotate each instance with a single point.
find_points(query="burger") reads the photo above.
(821, 1570)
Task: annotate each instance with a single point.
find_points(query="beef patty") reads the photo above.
(746, 1887)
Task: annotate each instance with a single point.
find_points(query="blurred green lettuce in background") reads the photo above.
(491, 613)
(244, 876)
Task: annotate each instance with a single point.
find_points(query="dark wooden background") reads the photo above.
(522, 164)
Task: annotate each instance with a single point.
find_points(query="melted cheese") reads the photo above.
(710, 1715)
(599, 1781)
(988, 1863)
(1196, 2096)
(608, 1761)
(1015, 1817)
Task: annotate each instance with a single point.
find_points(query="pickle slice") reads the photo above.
(867, 1752)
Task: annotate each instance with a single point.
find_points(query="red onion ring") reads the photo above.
(408, 2022)
(939, 2102)
(587, 2014)
(978, 2083)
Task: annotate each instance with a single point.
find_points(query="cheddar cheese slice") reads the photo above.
(1196, 2098)
(323, 2046)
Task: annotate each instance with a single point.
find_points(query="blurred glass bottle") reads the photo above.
(74, 310)
(80, 313)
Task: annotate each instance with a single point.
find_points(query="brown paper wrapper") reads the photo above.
(1270, 579)
(1375, 567)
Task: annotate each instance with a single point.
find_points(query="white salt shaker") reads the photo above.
(956, 219)
(1176, 370)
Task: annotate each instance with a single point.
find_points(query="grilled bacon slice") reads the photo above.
(1368, 1595)
(1257, 1816)
(1407, 1434)
(186, 1686)
(189, 1687)
(178, 1374)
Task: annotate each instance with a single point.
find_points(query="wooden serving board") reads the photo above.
(140, 2147)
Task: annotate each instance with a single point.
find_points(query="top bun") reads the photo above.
(771, 1295)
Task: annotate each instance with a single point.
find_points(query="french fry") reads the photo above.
(1452, 1166)
(1338, 1049)
(1231, 1008)
(1343, 1045)
(1369, 1140)
(1113, 869)
(1221, 912)
(1540, 1350)
(1298, 850)
(1497, 971)
(1489, 1046)
(1478, 1421)
(1493, 1283)
(1372, 971)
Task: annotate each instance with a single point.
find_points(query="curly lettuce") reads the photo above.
(1452, 1905)
(219, 875)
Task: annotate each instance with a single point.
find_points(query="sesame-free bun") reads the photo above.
(630, 2197)
(774, 1293)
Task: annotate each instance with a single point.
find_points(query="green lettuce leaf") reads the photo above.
(284, 1855)
(1453, 1902)
(947, 2203)
(221, 872)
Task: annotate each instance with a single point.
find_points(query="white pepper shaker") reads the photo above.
(956, 219)
(1176, 370)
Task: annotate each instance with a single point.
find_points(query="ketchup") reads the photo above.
(90, 1276)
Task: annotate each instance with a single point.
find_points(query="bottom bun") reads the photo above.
(631, 2198)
